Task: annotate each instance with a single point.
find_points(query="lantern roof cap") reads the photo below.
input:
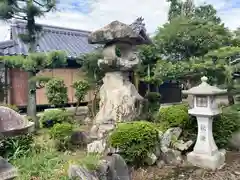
(205, 89)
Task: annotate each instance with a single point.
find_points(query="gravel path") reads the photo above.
(230, 171)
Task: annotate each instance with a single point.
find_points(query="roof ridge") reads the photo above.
(20, 23)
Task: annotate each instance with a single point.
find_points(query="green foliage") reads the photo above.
(184, 38)
(61, 134)
(36, 62)
(11, 106)
(90, 161)
(149, 55)
(224, 126)
(51, 117)
(81, 89)
(151, 107)
(188, 9)
(174, 116)
(46, 164)
(56, 91)
(89, 64)
(135, 140)
(15, 147)
(60, 131)
(192, 69)
(40, 81)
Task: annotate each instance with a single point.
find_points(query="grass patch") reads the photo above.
(45, 162)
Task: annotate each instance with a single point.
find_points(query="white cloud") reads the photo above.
(103, 12)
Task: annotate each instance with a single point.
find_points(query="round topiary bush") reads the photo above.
(174, 116)
(60, 131)
(61, 134)
(54, 116)
(135, 140)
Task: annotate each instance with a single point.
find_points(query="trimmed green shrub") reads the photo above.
(174, 116)
(81, 89)
(56, 92)
(59, 131)
(224, 126)
(135, 140)
(14, 147)
(54, 116)
(61, 134)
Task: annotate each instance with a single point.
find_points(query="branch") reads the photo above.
(44, 6)
(38, 3)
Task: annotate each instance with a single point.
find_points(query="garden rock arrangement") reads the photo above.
(111, 168)
(170, 148)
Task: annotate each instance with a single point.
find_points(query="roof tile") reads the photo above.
(73, 42)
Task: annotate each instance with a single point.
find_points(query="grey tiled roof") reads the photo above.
(73, 42)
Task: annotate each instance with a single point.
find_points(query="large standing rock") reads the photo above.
(119, 99)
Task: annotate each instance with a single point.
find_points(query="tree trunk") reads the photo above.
(230, 98)
(31, 108)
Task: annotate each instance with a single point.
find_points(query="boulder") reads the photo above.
(12, 123)
(80, 138)
(118, 169)
(7, 171)
(80, 173)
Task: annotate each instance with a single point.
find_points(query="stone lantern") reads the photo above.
(205, 107)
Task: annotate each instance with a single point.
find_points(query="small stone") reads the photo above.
(199, 172)
(237, 173)
(181, 146)
(172, 157)
(97, 146)
(87, 120)
(169, 135)
(160, 164)
(151, 159)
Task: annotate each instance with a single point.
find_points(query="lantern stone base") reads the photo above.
(207, 161)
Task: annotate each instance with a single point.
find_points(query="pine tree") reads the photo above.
(28, 11)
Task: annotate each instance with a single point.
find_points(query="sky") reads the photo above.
(94, 14)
